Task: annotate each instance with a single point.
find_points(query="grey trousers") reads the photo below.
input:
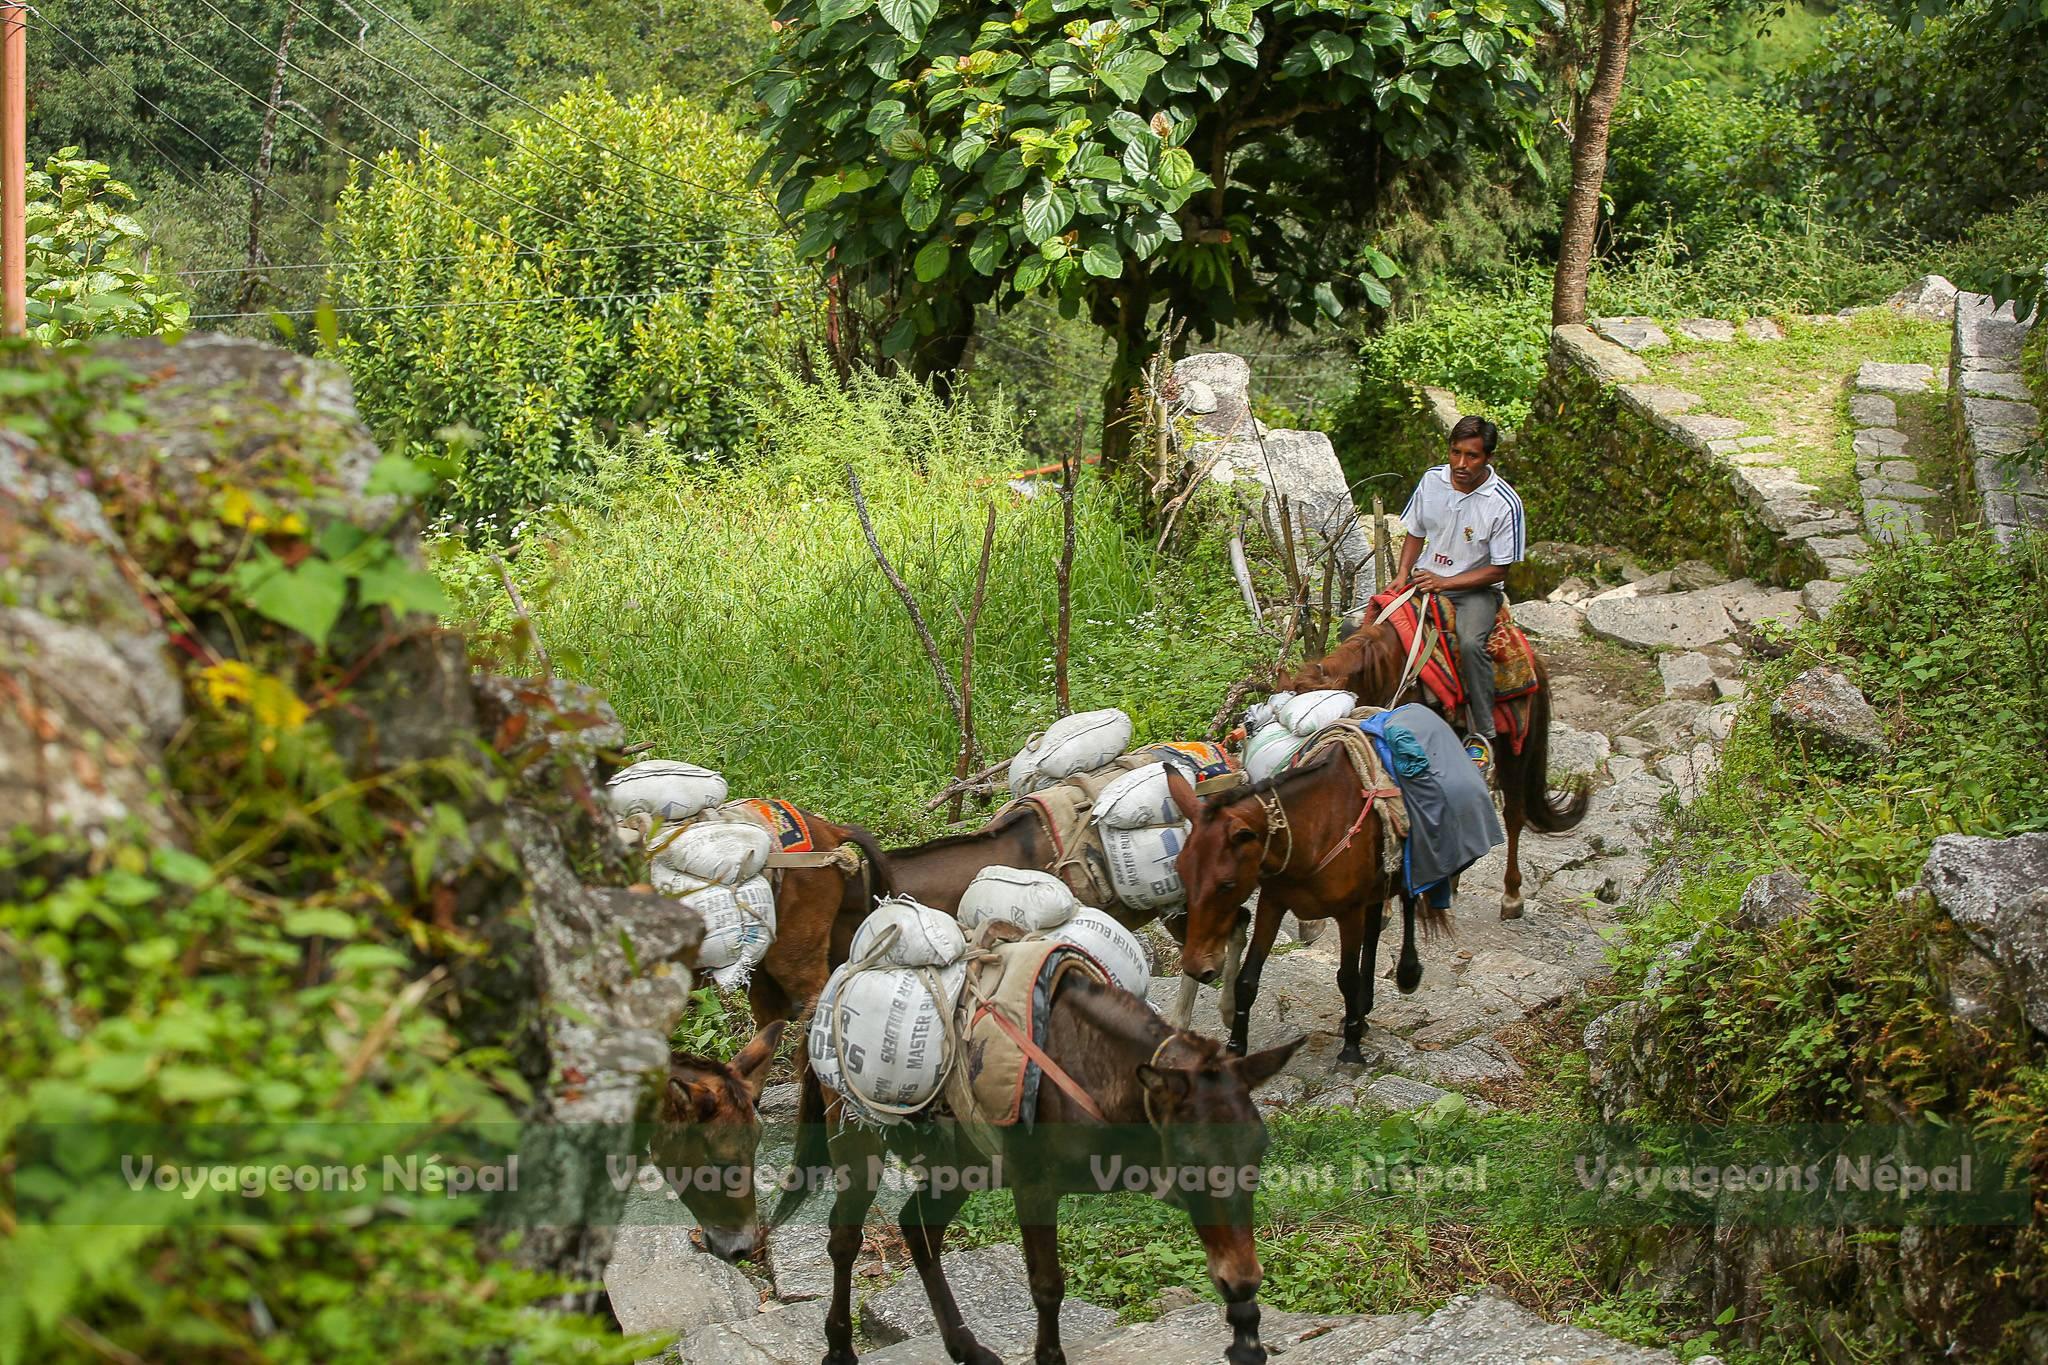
(1477, 610)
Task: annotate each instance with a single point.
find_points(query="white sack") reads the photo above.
(1312, 711)
(1119, 950)
(1030, 899)
(1072, 744)
(1138, 799)
(724, 851)
(925, 937)
(1261, 714)
(1269, 750)
(892, 1039)
(739, 924)
(665, 789)
(1141, 865)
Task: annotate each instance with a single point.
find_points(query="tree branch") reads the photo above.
(924, 634)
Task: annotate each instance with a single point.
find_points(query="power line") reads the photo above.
(400, 132)
(487, 82)
(220, 157)
(344, 150)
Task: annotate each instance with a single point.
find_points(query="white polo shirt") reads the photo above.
(1462, 531)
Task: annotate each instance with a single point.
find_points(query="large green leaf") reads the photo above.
(966, 151)
(1047, 208)
(1103, 260)
(1148, 230)
(908, 17)
(1176, 168)
(1127, 72)
(932, 260)
(1030, 274)
(990, 245)
(1141, 157)
(1006, 173)
(1326, 299)
(307, 599)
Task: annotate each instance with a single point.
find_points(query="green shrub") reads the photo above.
(1931, 123)
(649, 287)
(735, 615)
(86, 258)
(1706, 161)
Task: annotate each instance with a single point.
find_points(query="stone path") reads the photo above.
(1994, 415)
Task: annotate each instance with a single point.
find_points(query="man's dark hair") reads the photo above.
(1472, 425)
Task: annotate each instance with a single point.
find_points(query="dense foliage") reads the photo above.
(256, 968)
(1930, 123)
(1209, 156)
(87, 257)
(608, 272)
(1837, 1014)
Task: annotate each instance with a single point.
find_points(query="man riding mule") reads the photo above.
(1465, 528)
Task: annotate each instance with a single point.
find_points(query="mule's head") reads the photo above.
(1213, 1139)
(1219, 868)
(707, 1131)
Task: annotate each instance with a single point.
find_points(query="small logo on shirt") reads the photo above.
(1468, 533)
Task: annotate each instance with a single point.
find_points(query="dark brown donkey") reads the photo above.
(1140, 1105)
(1307, 842)
(706, 1133)
(1369, 662)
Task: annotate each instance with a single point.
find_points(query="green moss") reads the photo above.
(1797, 390)
(1594, 471)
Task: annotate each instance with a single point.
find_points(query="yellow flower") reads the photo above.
(265, 695)
(238, 508)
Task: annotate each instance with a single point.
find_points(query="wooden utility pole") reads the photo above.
(252, 282)
(14, 169)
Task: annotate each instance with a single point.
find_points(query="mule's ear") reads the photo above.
(1164, 1085)
(693, 1099)
(752, 1062)
(1183, 794)
(1261, 1067)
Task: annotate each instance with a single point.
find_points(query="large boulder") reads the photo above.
(1996, 891)
(1931, 298)
(1773, 898)
(1823, 706)
(658, 1281)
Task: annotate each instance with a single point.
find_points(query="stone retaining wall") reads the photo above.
(1608, 458)
(1995, 415)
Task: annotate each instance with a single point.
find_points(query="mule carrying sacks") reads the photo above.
(882, 1032)
(713, 865)
(664, 789)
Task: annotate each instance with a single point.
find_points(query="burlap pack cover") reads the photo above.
(992, 1083)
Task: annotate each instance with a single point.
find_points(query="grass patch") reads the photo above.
(1797, 390)
(737, 618)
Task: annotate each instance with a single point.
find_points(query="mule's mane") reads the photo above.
(1265, 786)
(1119, 1014)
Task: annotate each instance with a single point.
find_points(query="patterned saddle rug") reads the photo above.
(1514, 660)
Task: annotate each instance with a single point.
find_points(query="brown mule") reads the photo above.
(706, 1132)
(817, 910)
(1306, 842)
(1134, 1096)
(1369, 662)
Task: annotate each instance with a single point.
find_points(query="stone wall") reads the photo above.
(1996, 419)
(1608, 458)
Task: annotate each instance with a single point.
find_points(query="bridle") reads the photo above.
(1277, 823)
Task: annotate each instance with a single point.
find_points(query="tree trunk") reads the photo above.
(252, 283)
(1134, 346)
(936, 359)
(1589, 164)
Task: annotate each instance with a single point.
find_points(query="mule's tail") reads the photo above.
(811, 1150)
(1538, 808)
(879, 883)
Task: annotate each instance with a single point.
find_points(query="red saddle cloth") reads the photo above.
(1514, 662)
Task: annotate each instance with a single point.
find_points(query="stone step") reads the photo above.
(1198, 1335)
(1484, 1329)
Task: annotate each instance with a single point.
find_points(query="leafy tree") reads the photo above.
(1225, 158)
(87, 257)
(641, 283)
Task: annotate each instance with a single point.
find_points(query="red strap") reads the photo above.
(1365, 809)
(1046, 1064)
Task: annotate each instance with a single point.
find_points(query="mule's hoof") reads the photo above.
(845, 1357)
(978, 1354)
(1054, 1356)
(1406, 980)
(1511, 907)
(1254, 1354)
(1235, 1047)
(1351, 1056)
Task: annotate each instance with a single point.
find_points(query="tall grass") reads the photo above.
(736, 617)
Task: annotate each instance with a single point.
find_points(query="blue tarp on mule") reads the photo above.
(1451, 820)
